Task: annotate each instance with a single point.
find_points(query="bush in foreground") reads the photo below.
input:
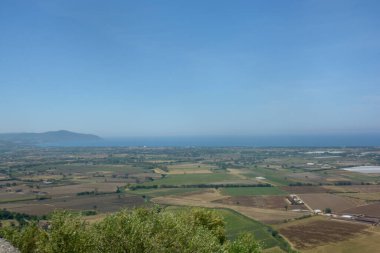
(137, 231)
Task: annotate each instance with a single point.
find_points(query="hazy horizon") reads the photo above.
(236, 135)
(190, 68)
(63, 138)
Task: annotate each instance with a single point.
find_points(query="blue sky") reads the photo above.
(167, 68)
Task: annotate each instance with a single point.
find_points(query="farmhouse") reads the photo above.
(295, 200)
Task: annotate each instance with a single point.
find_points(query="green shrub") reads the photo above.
(138, 231)
(245, 243)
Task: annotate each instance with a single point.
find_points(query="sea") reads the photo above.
(340, 140)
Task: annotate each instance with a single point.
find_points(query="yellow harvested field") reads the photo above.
(335, 179)
(159, 171)
(237, 172)
(207, 195)
(183, 172)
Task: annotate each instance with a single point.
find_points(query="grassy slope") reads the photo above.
(237, 223)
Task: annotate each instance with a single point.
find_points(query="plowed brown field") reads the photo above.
(333, 201)
(372, 210)
(321, 232)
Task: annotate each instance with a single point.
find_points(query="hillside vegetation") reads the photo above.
(137, 231)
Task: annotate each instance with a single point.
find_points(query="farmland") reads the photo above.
(252, 191)
(215, 200)
(237, 223)
(326, 200)
(312, 233)
(371, 210)
(195, 179)
(266, 202)
(251, 187)
(365, 242)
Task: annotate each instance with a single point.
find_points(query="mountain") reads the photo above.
(48, 137)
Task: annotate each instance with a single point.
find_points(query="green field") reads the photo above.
(163, 192)
(272, 176)
(252, 191)
(236, 224)
(186, 179)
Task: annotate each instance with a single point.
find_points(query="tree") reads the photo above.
(245, 243)
(138, 231)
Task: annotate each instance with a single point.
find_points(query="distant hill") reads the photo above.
(48, 137)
